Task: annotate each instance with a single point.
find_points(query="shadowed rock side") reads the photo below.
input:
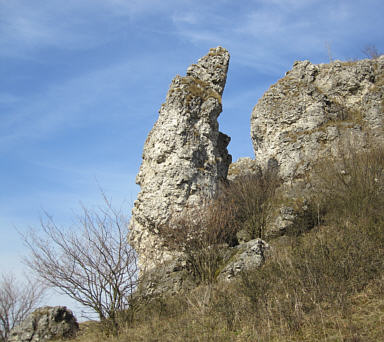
(45, 324)
(314, 110)
(185, 156)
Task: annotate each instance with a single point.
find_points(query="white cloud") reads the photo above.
(288, 4)
(185, 18)
(199, 36)
(136, 9)
(26, 26)
(67, 103)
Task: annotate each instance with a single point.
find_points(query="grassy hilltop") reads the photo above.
(323, 281)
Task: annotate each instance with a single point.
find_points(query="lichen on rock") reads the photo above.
(185, 155)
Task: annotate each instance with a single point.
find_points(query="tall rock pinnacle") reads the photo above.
(185, 156)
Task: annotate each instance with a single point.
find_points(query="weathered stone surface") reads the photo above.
(169, 278)
(243, 167)
(247, 256)
(45, 323)
(316, 109)
(185, 156)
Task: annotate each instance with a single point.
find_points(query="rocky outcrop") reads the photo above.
(244, 166)
(44, 324)
(246, 256)
(314, 111)
(185, 156)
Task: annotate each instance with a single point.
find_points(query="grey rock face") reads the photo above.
(248, 255)
(185, 156)
(45, 323)
(243, 167)
(316, 109)
(168, 278)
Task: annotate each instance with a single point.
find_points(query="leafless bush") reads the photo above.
(91, 263)
(326, 267)
(16, 302)
(251, 198)
(201, 233)
(352, 186)
(371, 52)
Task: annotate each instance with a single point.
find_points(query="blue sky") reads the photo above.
(81, 82)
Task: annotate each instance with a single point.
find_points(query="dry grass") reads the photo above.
(203, 234)
(252, 198)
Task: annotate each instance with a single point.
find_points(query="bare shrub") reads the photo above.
(16, 302)
(325, 268)
(352, 186)
(251, 198)
(92, 263)
(200, 234)
(371, 52)
(203, 232)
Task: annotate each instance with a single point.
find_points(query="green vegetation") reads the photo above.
(322, 284)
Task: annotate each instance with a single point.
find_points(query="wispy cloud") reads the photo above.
(266, 33)
(185, 18)
(27, 26)
(138, 7)
(73, 102)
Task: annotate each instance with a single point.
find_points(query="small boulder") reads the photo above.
(248, 255)
(44, 324)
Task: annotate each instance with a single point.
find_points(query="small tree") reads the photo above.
(16, 302)
(93, 263)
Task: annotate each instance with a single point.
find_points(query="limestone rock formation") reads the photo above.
(44, 324)
(185, 156)
(314, 110)
(247, 256)
(242, 167)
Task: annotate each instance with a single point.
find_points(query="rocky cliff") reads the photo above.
(185, 155)
(314, 110)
